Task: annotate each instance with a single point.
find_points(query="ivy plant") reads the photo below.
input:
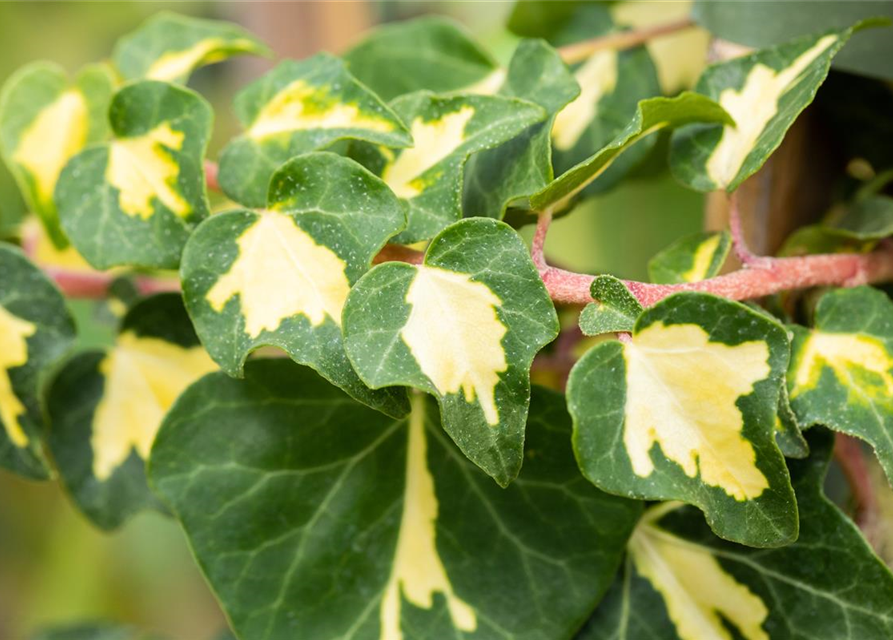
(327, 372)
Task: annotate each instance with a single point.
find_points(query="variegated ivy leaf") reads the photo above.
(764, 92)
(295, 108)
(612, 84)
(652, 115)
(45, 119)
(680, 582)
(523, 165)
(685, 410)
(105, 407)
(169, 47)
(432, 53)
(280, 277)
(841, 372)
(263, 489)
(463, 326)
(690, 259)
(135, 200)
(616, 310)
(36, 329)
(446, 130)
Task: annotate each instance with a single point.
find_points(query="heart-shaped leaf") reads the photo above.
(135, 200)
(280, 277)
(686, 410)
(45, 120)
(313, 516)
(463, 326)
(295, 108)
(616, 310)
(169, 47)
(105, 407)
(680, 582)
(36, 329)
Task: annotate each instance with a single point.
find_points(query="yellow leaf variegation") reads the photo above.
(455, 335)
(143, 377)
(596, 77)
(282, 272)
(463, 327)
(417, 571)
(697, 425)
(13, 353)
(700, 596)
(686, 409)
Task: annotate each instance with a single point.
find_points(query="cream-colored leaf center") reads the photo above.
(752, 107)
(702, 260)
(455, 335)
(142, 169)
(489, 84)
(849, 356)
(176, 64)
(433, 141)
(143, 377)
(281, 272)
(57, 133)
(681, 393)
(597, 78)
(13, 353)
(699, 594)
(300, 106)
(418, 572)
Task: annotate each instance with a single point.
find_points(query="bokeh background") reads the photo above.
(55, 569)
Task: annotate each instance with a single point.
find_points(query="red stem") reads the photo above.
(211, 171)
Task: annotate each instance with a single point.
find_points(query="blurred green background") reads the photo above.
(55, 569)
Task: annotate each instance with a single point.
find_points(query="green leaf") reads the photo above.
(464, 326)
(652, 115)
(36, 329)
(432, 53)
(612, 85)
(295, 108)
(135, 200)
(764, 92)
(105, 407)
(45, 119)
(314, 536)
(788, 434)
(280, 277)
(523, 165)
(841, 373)
(616, 310)
(680, 582)
(866, 219)
(686, 411)
(447, 129)
(169, 47)
(763, 24)
(690, 259)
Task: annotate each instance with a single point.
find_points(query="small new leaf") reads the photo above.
(36, 329)
(169, 47)
(263, 489)
(295, 108)
(105, 407)
(45, 120)
(681, 582)
(652, 115)
(690, 259)
(764, 92)
(280, 277)
(616, 310)
(446, 130)
(431, 53)
(463, 326)
(686, 410)
(135, 200)
(841, 372)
